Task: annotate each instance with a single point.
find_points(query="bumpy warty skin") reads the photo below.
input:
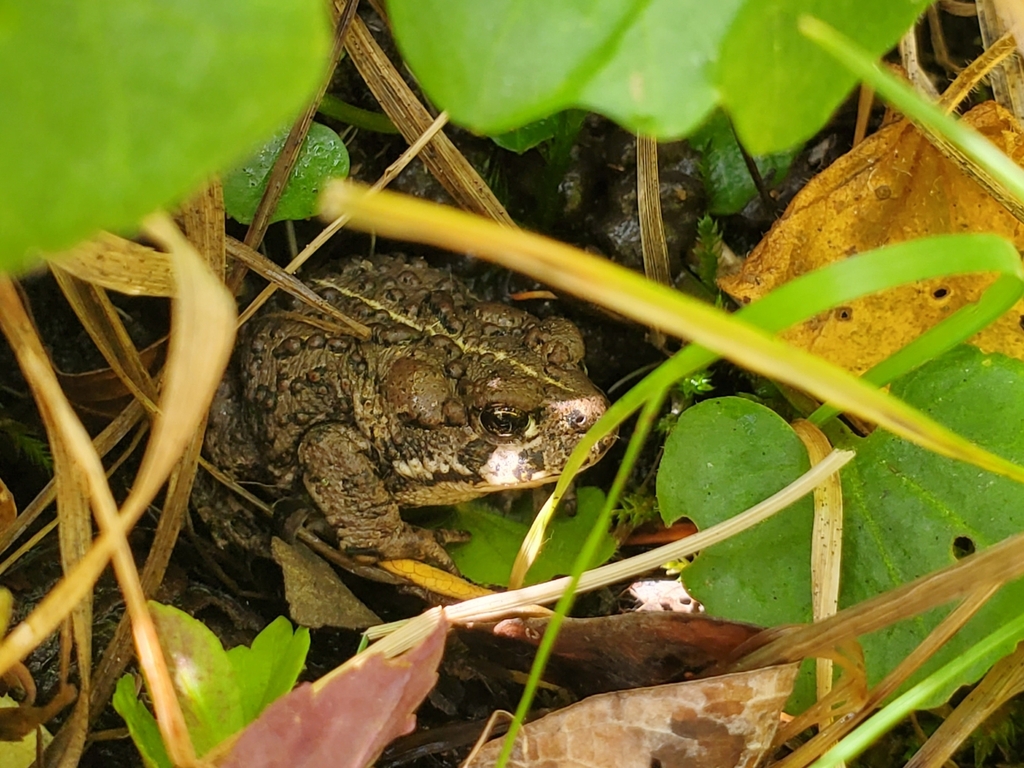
(449, 399)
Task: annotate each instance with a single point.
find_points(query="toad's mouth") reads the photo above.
(516, 466)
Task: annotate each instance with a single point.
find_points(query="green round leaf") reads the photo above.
(724, 456)
(499, 65)
(323, 157)
(115, 108)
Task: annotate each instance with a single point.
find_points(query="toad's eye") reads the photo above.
(504, 421)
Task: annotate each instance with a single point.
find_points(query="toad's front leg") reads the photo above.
(345, 485)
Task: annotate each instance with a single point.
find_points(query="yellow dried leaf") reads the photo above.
(434, 579)
(893, 187)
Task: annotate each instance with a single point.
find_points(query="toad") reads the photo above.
(449, 399)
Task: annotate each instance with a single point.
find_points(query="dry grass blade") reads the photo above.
(75, 534)
(120, 265)
(826, 542)
(317, 242)
(1003, 681)
(83, 481)
(203, 323)
(971, 76)
(997, 18)
(117, 653)
(268, 270)
(949, 626)
(444, 160)
(911, 61)
(197, 357)
(202, 220)
(652, 228)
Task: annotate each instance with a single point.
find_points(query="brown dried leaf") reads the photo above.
(894, 186)
(348, 721)
(612, 653)
(316, 596)
(720, 722)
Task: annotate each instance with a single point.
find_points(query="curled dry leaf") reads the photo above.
(720, 722)
(8, 516)
(892, 187)
(102, 390)
(18, 722)
(316, 596)
(347, 720)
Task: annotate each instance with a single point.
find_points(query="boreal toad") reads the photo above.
(450, 398)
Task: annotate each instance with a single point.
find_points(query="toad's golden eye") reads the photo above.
(504, 421)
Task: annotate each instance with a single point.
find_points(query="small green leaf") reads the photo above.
(531, 135)
(488, 556)
(204, 678)
(115, 108)
(726, 176)
(268, 670)
(323, 157)
(141, 724)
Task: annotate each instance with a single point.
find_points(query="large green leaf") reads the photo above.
(501, 64)
(114, 108)
(656, 66)
(907, 511)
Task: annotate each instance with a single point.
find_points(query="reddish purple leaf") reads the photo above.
(349, 721)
